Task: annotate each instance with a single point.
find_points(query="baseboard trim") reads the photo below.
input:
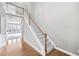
(34, 48)
(69, 53)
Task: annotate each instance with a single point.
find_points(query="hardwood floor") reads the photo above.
(56, 52)
(20, 48)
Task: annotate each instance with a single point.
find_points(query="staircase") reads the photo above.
(42, 38)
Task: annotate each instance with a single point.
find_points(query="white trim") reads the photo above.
(34, 47)
(69, 53)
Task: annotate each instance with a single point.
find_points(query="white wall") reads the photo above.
(2, 31)
(60, 21)
(2, 19)
(3, 24)
(2, 12)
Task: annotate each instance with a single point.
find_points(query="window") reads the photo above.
(13, 24)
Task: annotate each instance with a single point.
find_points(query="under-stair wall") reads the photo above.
(30, 39)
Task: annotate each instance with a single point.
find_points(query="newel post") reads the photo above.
(45, 44)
